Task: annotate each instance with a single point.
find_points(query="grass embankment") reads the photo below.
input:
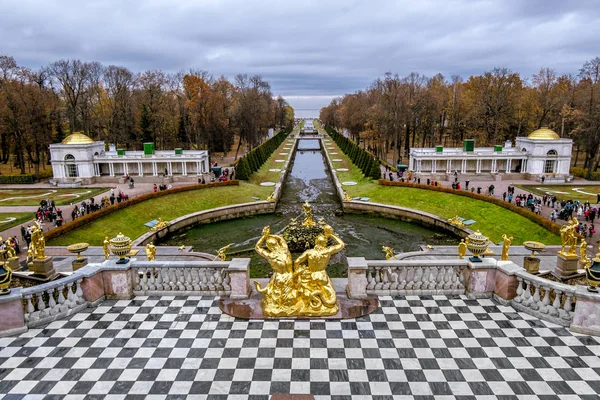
(32, 197)
(492, 220)
(130, 221)
(263, 174)
(8, 220)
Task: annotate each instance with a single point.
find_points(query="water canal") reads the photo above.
(309, 179)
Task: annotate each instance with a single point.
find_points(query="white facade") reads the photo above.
(85, 161)
(542, 153)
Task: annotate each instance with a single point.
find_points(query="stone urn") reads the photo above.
(5, 279)
(78, 248)
(120, 247)
(477, 244)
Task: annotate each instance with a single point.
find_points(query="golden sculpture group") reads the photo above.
(221, 253)
(301, 287)
(389, 253)
(160, 224)
(568, 237)
(37, 247)
(456, 222)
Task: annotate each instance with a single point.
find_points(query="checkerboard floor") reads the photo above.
(443, 347)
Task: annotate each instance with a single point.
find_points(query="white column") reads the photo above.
(434, 166)
(170, 168)
(493, 165)
(111, 169)
(448, 166)
(141, 169)
(154, 169)
(125, 168)
(508, 162)
(183, 168)
(463, 166)
(198, 170)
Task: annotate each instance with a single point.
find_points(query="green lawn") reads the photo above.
(8, 220)
(32, 197)
(130, 221)
(492, 220)
(565, 192)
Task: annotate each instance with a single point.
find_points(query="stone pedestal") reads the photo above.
(357, 278)
(239, 275)
(78, 263)
(566, 266)
(43, 267)
(13, 263)
(531, 265)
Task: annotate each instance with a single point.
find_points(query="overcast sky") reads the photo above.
(310, 51)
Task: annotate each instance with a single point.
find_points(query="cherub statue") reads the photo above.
(271, 197)
(462, 249)
(506, 241)
(347, 197)
(389, 253)
(221, 253)
(151, 251)
(105, 248)
(583, 252)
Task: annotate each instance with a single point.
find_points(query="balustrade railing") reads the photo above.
(53, 300)
(209, 278)
(547, 300)
(416, 277)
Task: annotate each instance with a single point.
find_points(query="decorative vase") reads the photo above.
(78, 248)
(120, 247)
(477, 244)
(592, 274)
(5, 279)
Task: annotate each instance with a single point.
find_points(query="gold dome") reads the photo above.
(77, 138)
(544, 134)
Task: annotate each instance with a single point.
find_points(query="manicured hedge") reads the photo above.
(25, 178)
(583, 173)
(366, 161)
(523, 211)
(255, 158)
(69, 226)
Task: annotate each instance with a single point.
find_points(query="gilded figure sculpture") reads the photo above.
(221, 253)
(506, 241)
(38, 242)
(462, 249)
(271, 197)
(105, 248)
(151, 251)
(10, 251)
(315, 288)
(280, 295)
(583, 252)
(160, 224)
(568, 239)
(308, 219)
(347, 197)
(389, 253)
(456, 222)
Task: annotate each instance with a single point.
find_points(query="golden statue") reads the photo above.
(462, 249)
(315, 288)
(160, 224)
(456, 222)
(221, 253)
(280, 295)
(583, 252)
(10, 251)
(506, 241)
(568, 238)
(151, 251)
(105, 248)
(38, 242)
(389, 253)
(308, 220)
(347, 197)
(271, 197)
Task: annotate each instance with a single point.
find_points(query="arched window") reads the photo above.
(70, 166)
(550, 165)
(552, 153)
(523, 149)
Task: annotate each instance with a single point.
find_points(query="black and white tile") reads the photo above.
(443, 347)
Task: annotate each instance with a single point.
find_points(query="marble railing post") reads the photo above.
(586, 318)
(481, 279)
(92, 285)
(117, 279)
(357, 278)
(239, 275)
(506, 280)
(11, 313)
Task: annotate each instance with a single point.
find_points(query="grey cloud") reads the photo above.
(306, 48)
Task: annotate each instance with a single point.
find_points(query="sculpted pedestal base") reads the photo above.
(566, 266)
(79, 263)
(531, 265)
(13, 263)
(43, 267)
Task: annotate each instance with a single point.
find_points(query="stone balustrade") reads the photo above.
(183, 278)
(545, 299)
(415, 277)
(53, 300)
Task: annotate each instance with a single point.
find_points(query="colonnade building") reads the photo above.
(80, 160)
(542, 153)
